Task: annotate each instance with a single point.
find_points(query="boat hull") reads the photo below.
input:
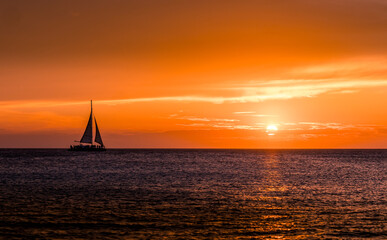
(87, 148)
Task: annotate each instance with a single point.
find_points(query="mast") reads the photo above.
(91, 115)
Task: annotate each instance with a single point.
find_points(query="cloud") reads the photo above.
(202, 119)
(280, 91)
(327, 126)
(243, 113)
(244, 93)
(312, 128)
(356, 67)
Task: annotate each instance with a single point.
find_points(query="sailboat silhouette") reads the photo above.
(86, 142)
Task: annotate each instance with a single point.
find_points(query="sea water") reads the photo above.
(194, 194)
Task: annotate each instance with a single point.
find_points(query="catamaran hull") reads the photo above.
(87, 149)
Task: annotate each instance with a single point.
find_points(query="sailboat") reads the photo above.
(86, 142)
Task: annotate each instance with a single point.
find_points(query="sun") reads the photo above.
(271, 129)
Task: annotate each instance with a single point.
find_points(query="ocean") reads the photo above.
(193, 194)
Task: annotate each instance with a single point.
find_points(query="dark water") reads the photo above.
(179, 194)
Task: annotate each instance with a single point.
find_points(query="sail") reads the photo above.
(98, 138)
(88, 134)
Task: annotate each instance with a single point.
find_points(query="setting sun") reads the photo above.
(271, 129)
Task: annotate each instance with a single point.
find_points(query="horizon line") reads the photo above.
(177, 148)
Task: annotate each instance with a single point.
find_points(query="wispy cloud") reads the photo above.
(202, 119)
(284, 90)
(254, 114)
(227, 126)
(324, 126)
(281, 91)
(31, 104)
(359, 67)
(243, 113)
(319, 125)
(243, 93)
(298, 127)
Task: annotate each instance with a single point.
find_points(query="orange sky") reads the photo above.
(195, 73)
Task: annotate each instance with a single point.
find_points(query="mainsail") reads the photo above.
(98, 138)
(88, 134)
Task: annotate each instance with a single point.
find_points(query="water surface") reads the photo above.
(175, 194)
